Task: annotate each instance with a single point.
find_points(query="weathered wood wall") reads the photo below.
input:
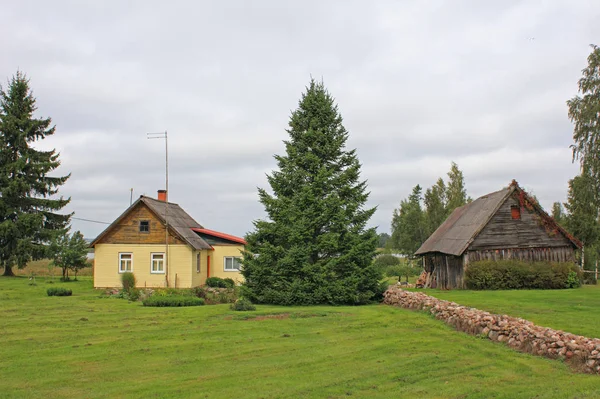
(503, 231)
(448, 269)
(128, 229)
(554, 254)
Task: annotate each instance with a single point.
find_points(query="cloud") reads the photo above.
(419, 84)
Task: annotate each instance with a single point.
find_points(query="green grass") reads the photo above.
(86, 346)
(574, 310)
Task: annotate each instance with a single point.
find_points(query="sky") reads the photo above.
(419, 84)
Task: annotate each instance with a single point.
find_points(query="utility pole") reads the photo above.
(163, 135)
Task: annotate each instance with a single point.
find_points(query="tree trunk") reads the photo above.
(8, 271)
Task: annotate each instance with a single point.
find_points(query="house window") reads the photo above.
(157, 263)
(232, 263)
(125, 262)
(515, 212)
(198, 262)
(144, 226)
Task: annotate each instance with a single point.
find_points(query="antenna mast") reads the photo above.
(163, 135)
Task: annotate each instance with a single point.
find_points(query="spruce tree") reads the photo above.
(315, 246)
(435, 206)
(28, 203)
(408, 224)
(456, 194)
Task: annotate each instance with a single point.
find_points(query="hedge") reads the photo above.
(58, 291)
(173, 301)
(514, 274)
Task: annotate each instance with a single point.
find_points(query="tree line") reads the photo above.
(419, 215)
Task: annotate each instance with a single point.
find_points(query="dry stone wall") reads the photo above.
(581, 352)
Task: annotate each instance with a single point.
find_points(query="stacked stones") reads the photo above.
(581, 352)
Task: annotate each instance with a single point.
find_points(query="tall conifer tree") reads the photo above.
(28, 207)
(315, 246)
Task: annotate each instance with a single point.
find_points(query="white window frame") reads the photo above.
(152, 263)
(121, 270)
(198, 262)
(232, 260)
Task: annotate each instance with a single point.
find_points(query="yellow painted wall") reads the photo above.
(217, 262)
(106, 265)
(199, 278)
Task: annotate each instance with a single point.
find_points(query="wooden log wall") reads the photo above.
(448, 270)
(555, 254)
(527, 232)
(128, 229)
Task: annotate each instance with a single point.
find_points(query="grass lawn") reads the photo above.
(89, 347)
(575, 310)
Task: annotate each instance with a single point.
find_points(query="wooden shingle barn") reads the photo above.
(506, 224)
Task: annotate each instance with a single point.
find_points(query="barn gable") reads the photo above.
(517, 226)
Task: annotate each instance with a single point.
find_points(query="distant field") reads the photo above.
(575, 310)
(89, 347)
(40, 268)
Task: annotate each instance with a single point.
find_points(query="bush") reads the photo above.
(173, 301)
(128, 281)
(229, 283)
(217, 282)
(242, 305)
(513, 274)
(58, 291)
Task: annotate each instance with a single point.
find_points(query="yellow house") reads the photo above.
(137, 242)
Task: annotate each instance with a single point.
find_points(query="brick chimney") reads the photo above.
(162, 195)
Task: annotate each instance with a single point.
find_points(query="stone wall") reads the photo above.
(581, 352)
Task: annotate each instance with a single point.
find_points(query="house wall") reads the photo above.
(200, 278)
(504, 232)
(217, 262)
(128, 229)
(181, 263)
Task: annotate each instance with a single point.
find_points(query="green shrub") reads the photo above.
(173, 301)
(514, 274)
(216, 282)
(128, 281)
(242, 305)
(58, 291)
(229, 283)
(133, 294)
(573, 280)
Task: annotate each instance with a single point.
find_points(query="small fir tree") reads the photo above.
(28, 211)
(314, 247)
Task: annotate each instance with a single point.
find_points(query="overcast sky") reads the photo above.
(419, 84)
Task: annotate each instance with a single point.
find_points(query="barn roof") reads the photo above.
(464, 224)
(180, 222)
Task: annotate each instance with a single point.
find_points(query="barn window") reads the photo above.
(144, 226)
(515, 212)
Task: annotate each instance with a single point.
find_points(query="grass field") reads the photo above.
(86, 346)
(576, 310)
(41, 268)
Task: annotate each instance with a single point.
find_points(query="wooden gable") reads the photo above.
(518, 225)
(127, 230)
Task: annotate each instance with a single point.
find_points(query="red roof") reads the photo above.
(220, 235)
